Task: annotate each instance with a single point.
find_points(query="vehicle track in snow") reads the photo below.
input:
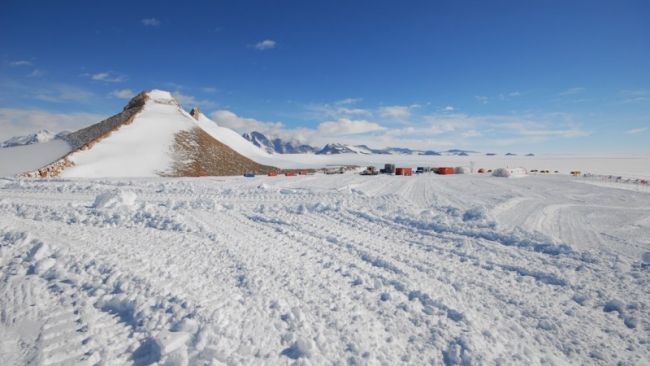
(323, 269)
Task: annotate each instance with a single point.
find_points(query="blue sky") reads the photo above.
(540, 76)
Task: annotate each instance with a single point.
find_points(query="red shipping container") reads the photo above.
(445, 170)
(273, 173)
(408, 171)
(399, 171)
(290, 174)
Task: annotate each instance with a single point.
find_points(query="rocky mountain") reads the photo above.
(34, 138)
(154, 136)
(335, 148)
(277, 145)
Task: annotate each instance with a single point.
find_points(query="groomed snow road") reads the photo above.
(322, 270)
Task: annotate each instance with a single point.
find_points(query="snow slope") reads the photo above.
(234, 140)
(141, 148)
(347, 269)
(152, 136)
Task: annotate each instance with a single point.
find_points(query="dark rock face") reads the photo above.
(195, 112)
(197, 154)
(331, 149)
(430, 153)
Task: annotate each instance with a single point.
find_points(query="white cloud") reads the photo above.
(444, 123)
(123, 93)
(634, 96)
(471, 133)
(62, 93)
(565, 133)
(107, 76)
(36, 73)
(20, 63)
(345, 126)
(266, 44)
(336, 110)
(449, 108)
(442, 130)
(482, 99)
(634, 131)
(395, 112)
(514, 94)
(572, 91)
(16, 122)
(192, 101)
(348, 101)
(150, 22)
(240, 124)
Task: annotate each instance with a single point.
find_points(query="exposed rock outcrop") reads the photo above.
(198, 154)
(90, 135)
(196, 113)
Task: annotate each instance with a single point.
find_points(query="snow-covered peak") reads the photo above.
(337, 148)
(160, 96)
(151, 97)
(34, 138)
(275, 144)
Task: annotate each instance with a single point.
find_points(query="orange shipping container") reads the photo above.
(445, 170)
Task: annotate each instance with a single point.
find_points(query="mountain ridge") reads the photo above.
(276, 145)
(151, 136)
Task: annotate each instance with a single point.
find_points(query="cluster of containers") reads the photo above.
(273, 173)
(405, 171)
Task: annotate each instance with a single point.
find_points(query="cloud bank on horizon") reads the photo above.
(438, 78)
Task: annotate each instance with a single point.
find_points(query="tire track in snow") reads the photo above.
(59, 325)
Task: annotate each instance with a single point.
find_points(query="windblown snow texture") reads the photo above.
(454, 270)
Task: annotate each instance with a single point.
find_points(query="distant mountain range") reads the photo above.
(34, 138)
(276, 145)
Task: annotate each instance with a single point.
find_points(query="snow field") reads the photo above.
(323, 270)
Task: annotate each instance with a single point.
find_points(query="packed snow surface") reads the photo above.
(346, 269)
